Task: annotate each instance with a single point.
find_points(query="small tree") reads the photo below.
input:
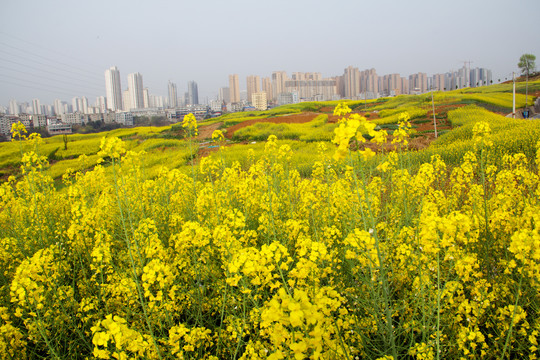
(527, 65)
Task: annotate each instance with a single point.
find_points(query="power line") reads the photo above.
(47, 49)
(37, 88)
(95, 88)
(46, 87)
(59, 67)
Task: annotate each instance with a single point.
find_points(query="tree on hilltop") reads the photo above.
(527, 64)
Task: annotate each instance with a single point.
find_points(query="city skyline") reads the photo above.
(61, 54)
(278, 89)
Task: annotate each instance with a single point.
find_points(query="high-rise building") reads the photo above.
(36, 107)
(234, 88)
(311, 86)
(224, 95)
(351, 80)
(113, 89)
(391, 85)
(58, 107)
(84, 105)
(146, 98)
(258, 100)
(369, 83)
(173, 95)
(13, 107)
(278, 82)
(267, 88)
(253, 83)
(101, 104)
(135, 87)
(418, 83)
(438, 82)
(126, 100)
(193, 93)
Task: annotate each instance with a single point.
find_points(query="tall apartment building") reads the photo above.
(278, 83)
(369, 83)
(311, 86)
(234, 88)
(267, 88)
(146, 98)
(126, 100)
(253, 83)
(173, 95)
(135, 87)
(101, 104)
(259, 101)
(404, 85)
(391, 85)
(13, 107)
(418, 83)
(36, 107)
(113, 89)
(351, 82)
(193, 93)
(224, 95)
(438, 82)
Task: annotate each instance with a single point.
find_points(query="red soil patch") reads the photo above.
(288, 119)
(292, 119)
(205, 132)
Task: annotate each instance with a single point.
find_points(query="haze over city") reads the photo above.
(60, 49)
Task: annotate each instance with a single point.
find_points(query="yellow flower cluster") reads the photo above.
(190, 124)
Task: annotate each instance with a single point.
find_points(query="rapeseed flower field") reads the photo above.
(258, 262)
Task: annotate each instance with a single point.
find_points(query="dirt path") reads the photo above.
(205, 132)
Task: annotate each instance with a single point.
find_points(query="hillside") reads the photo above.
(335, 230)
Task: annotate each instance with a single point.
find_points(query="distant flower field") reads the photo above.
(384, 256)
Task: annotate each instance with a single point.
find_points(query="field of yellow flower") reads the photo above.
(257, 262)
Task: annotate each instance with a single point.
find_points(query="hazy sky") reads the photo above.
(60, 48)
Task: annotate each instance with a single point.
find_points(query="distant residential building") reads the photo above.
(351, 82)
(259, 101)
(224, 95)
(192, 93)
(234, 87)
(438, 82)
(391, 85)
(36, 107)
(267, 88)
(135, 87)
(369, 83)
(101, 104)
(278, 83)
(253, 85)
(173, 95)
(157, 101)
(57, 128)
(126, 100)
(311, 87)
(146, 98)
(418, 83)
(13, 107)
(285, 98)
(124, 118)
(39, 120)
(75, 118)
(6, 121)
(113, 89)
(216, 105)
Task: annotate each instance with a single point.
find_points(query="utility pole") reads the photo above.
(433, 107)
(514, 96)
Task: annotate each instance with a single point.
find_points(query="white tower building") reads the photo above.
(113, 89)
